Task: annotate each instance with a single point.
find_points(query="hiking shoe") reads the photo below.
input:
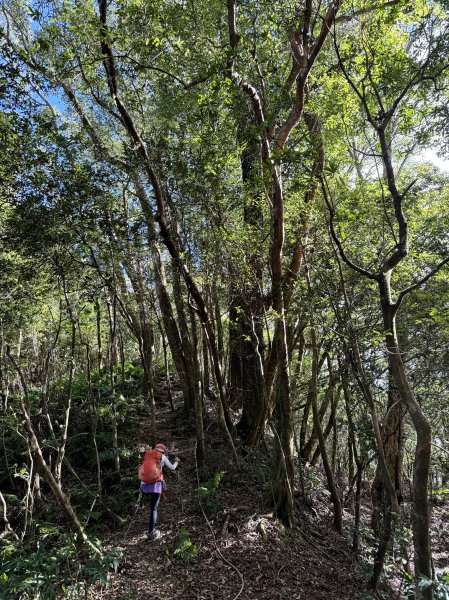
(155, 535)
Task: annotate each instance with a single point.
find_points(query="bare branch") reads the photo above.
(421, 282)
(186, 86)
(366, 10)
(361, 96)
(337, 241)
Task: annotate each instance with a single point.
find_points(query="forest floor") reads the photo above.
(241, 550)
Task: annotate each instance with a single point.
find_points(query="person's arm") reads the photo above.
(166, 463)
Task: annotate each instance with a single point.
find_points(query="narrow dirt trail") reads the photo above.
(269, 563)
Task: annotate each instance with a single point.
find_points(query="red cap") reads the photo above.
(161, 448)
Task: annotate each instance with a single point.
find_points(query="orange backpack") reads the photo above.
(150, 471)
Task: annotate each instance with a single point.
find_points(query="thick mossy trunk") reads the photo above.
(245, 374)
(246, 304)
(283, 471)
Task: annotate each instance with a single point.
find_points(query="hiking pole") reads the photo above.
(138, 509)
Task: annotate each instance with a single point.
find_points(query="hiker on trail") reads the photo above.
(152, 483)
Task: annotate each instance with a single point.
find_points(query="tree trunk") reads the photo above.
(112, 316)
(94, 419)
(245, 372)
(283, 439)
(45, 470)
(196, 376)
(206, 372)
(305, 452)
(386, 532)
(148, 369)
(167, 372)
(358, 494)
(99, 346)
(338, 522)
(421, 466)
(283, 471)
(187, 346)
(331, 426)
(215, 309)
(68, 405)
(393, 448)
(246, 346)
(328, 399)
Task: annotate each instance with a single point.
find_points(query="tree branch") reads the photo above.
(366, 10)
(337, 241)
(421, 282)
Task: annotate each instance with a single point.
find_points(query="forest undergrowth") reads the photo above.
(219, 540)
(225, 543)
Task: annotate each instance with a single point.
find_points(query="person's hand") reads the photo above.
(177, 459)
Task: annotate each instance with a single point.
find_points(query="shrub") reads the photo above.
(185, 549)
(49, 566)
(208, 495)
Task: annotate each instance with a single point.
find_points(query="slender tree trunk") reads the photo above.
(122, 359)
(349, 502)
(196, 370)
(338, 521)
(206, 372)
(45, 470)
(393, 448)
(327, 400)
(421, 509)
(334, 440)
(112, 315)
(68, 406)
(305, 452)
(94, 418)
(357, 503)
(386, 532)
(352, 447)
(360, 464)
(199, 427)
(3, 394)
(215, 300)
(235, 385)
(167, 372)
(99, 345)
(188, 350)
(6, 459)
(330, 427)
(283, 440)
(147, 345)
